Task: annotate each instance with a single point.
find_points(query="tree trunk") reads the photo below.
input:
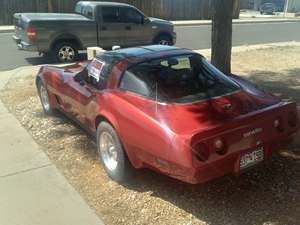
(50, 6)
(236, 9)
(221, 40)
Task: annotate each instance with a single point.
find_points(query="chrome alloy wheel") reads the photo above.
(66, 53)
(164, 42)
(108, 150)
(44, 98)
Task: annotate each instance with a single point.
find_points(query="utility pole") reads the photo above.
(286, 7)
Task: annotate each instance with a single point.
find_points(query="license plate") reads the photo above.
(251, 158)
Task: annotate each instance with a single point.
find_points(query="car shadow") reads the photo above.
(40, 60)
(255, 197)
(267, 194)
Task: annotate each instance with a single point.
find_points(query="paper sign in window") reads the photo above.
(96, 68)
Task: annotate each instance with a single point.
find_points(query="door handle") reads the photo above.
(104, 28)
(128, 27)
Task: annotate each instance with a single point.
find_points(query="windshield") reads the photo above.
(177, 79)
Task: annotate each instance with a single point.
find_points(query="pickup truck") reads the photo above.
(104, 24)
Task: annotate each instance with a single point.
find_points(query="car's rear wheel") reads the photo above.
(112, 154)
(163, 40)
(44, 98)
(66, 52)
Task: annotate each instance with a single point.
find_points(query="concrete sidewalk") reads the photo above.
(6, 29)
(32, 190)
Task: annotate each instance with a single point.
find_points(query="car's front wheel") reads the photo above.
(44, 98)
(112, 154)
(66, 52)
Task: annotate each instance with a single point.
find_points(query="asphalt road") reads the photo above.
(193, 37)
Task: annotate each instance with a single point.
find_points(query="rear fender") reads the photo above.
(112, 120)
(44, 76)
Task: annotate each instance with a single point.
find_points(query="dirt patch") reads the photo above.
(268, 194)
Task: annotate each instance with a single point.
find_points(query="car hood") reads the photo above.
(160, 21)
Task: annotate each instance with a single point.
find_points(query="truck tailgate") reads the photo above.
(20, 28)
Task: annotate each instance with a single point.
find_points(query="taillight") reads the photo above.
(31, 33)
(201, 151)
(292, 119)
(220, 146)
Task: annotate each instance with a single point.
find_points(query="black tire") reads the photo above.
(43, 93)
(123, 170)
(163, 40)
(65, 52)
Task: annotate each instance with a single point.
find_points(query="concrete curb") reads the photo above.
(239, 21)
(244, 48)
(6, 29)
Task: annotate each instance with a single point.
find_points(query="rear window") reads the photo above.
(178, 79)
(85, 10)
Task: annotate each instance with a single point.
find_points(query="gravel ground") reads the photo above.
(266, 195)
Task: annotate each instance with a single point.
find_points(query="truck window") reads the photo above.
(88, 12)
(110, 15)
(130, 15)
(78, 9)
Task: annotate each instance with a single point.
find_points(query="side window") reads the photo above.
(131, 82)
(177, 63)
(130, 15)
(110, 14)
(88, 12)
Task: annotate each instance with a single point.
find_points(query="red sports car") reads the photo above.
(170, 110)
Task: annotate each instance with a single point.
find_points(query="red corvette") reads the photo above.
(170, 110)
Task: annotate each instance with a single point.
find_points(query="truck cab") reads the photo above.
(102, 24)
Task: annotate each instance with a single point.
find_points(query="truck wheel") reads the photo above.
(66, 52)
(163, 40)
(44, 97)
(112, 154)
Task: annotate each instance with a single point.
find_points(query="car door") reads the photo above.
(138, 30)
(110, 28)
(82, 94)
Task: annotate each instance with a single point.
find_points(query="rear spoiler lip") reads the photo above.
(239, 122)
(269, 108)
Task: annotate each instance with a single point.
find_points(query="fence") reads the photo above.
(166, 9)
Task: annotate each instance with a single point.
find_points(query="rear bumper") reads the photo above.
(229, 164)
(22, 45)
